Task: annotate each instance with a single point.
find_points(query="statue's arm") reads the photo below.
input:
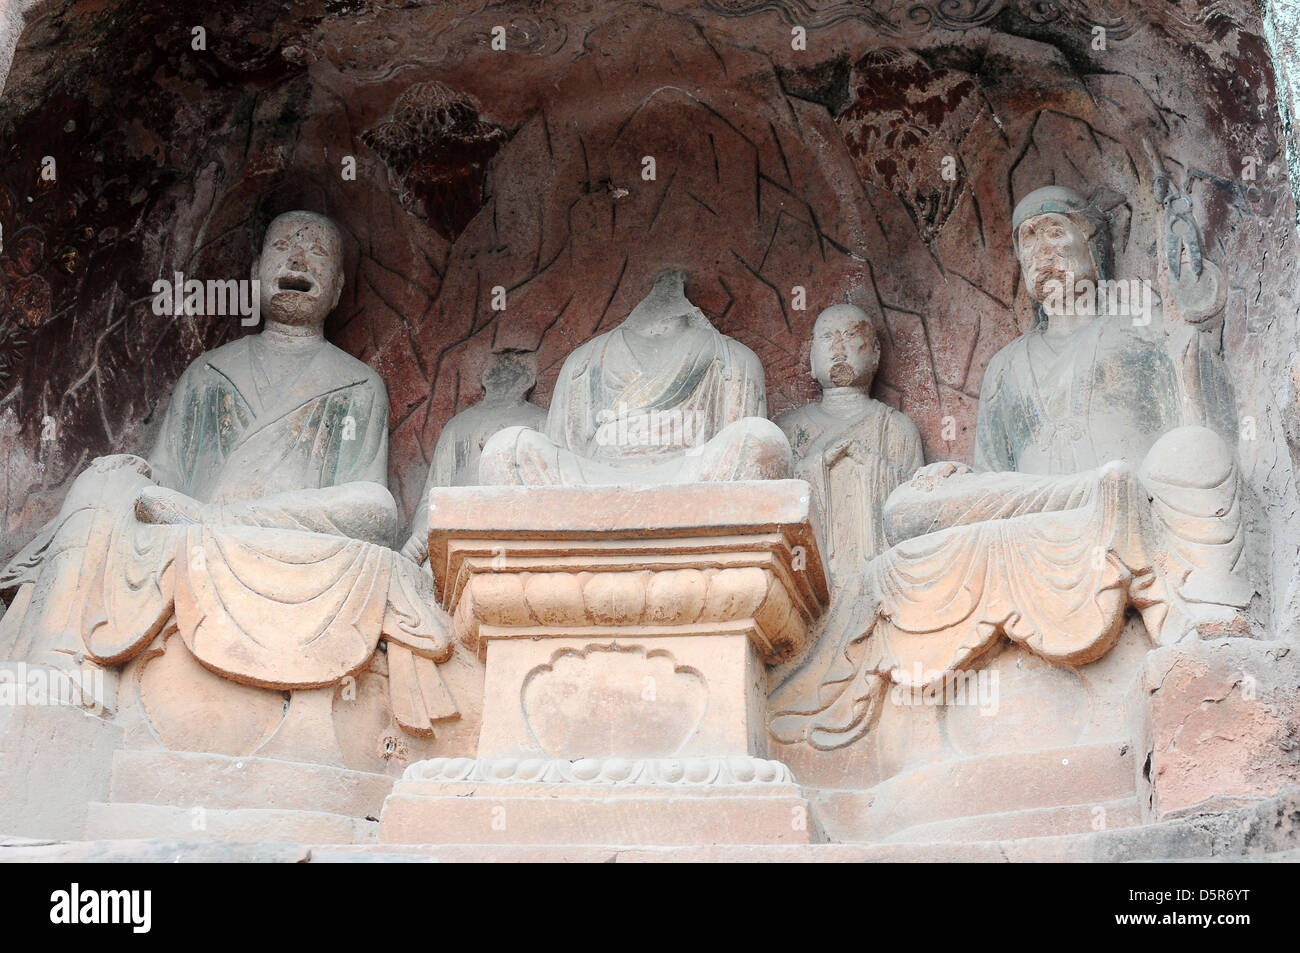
(1204, 397)
(992, 444)
(360, 510)
(912, 455)
(165, 459)
(746, 387)
(367, 460)
(442, 466)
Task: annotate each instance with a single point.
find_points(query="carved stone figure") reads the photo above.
(257, 532)
(662, 398)
(853, 450)
(1103, 480)
(507, 382)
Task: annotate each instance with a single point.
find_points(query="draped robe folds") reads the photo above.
(852, 465)
(693, 409)
(1047, 550)
(293, 587)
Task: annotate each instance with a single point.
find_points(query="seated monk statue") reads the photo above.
(1104, 477)
(507, 382)
(662, 398)
(852, 449)
(259, 526)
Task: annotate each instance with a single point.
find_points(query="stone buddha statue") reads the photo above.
(662, 398)
(1103, 479)
(507, 382)
(258, 527)
(852, 449)
(1091, 396)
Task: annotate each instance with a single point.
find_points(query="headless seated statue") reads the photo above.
(662, 398)
(260, 524)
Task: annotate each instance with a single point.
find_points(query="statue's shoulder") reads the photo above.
(737, 354)
(225, 358)
(1005, 358)
(584, 354)
(899, 423)
(1014, 348)
(796, 424)
(791, 418)
(351, 370)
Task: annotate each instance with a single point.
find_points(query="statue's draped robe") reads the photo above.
(852, 465)
(457, 453)
(1107, 394)
(618, 416)
(1044, 548)
(293, 587)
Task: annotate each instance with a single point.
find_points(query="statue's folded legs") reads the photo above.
(663, 398)
(1187, 528)
(749, 449)
(255, 539)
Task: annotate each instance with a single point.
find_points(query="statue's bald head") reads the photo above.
(300, 268)
(845, 349)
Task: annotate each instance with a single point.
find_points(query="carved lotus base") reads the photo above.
(736, 800)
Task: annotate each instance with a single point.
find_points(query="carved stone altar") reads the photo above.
(625, 634)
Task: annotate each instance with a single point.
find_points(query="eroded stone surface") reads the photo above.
(1102, 480)
(880, 166)
(1219, 721)
(826, 178)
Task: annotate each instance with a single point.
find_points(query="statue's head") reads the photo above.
(1057, 232)
(845, 349)
(509, 376)
(300, 268)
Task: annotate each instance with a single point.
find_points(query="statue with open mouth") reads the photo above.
(256, 536)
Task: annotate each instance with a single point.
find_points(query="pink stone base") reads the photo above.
(1217, 725)
(651, 802)
(501, 814)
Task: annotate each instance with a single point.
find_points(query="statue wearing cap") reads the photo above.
(1104, 477)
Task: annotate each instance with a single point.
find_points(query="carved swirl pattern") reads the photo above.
(614, 771)
(954, 14)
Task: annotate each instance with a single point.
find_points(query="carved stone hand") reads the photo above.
(158, 504)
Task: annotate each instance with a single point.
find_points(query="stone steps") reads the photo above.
(1266, 831)
(120, 821)
(1031, 822)
(186, 795)
(186, 779)
(972, 789)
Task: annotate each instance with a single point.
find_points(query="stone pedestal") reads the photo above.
(56, 759)
(1215, 725)
(625, 634)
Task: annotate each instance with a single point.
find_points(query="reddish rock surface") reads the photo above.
(774, 167)
(1221, 726)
